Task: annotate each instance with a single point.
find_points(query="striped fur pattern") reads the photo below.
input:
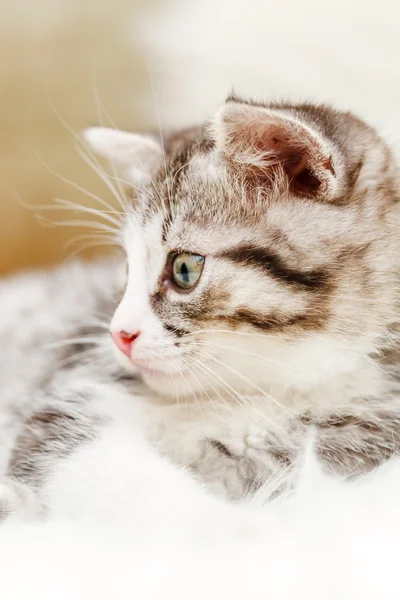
(292, 328)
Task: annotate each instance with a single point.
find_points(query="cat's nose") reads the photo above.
(124, 340)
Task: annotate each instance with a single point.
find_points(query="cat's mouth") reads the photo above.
(152, 366)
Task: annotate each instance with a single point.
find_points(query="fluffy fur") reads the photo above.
(329, 539)
(290, 330)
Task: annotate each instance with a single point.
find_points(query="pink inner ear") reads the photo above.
(302, 178)
(293, 153)
(268, 145)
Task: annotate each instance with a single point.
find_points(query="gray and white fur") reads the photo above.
(290, 332)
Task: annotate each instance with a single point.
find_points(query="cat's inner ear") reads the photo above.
(135, 158)
(267, 145)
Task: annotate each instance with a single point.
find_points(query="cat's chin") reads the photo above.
(163, 382)
(176, 384)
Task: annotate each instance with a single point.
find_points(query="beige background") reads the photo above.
(178, 58)
(54, 53)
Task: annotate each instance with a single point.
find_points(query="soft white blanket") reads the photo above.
(328, 539)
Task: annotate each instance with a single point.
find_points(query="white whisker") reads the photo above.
(194, 396)
(207, 394)
(96, 168)
(74, 185)
(227, 388)
(252, 354)
(247, 380)
(89, 245)
(161, 135)
(88, 339)
(50, 224)
(100, 112)
(137, 158)
(90, 236)
(87, 155)
(205, 374)
(83, 354)
(61, 204)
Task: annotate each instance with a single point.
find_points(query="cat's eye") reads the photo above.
(186, 269)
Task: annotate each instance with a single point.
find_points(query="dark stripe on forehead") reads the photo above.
(270, 263)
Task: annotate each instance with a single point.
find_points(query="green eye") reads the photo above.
(186, 269)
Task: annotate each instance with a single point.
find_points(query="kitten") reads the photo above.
(260, 305)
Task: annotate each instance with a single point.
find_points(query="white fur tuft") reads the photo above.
(328, 539)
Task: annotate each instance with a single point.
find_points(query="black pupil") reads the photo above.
(185, 273)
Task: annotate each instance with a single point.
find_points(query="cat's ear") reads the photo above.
(134, 157)
(266, 145)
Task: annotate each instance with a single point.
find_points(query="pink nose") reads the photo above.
(124, 340)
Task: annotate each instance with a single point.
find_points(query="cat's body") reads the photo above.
(288, 332)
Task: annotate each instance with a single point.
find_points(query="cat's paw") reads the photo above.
(17, 499)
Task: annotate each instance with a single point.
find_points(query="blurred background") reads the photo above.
(170, 63)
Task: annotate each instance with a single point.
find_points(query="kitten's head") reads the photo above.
(262, 249)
